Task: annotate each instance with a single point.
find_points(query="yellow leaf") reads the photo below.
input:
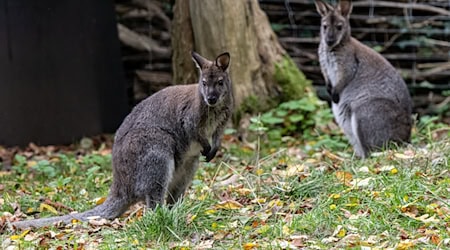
(31, 163)
(190, 219)
(332, 206)
(405, 245)
(405, 198)
(341, 233)
(286, 230)
(202, 197)
(17, 237)
(47, 207)
(244, 191)
(100, 201)
(276, 202)
(259, 200)
(259, 171)
(249, 246)
(210, 211)
(335, 196)
(344, 177)
(229, 204)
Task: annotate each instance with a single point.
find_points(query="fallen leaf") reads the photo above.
(100, 200)
(207, 244)
(435, 239)
(248, 246)
(361, 182)
(47, 207)
(405, 245)
(96, 222)
(293, 170)
(31, 163)
(340, 231)
(244, 191)
(387, 168)
(404, 156)
(20, 236)
(228, 204)
(344, 177)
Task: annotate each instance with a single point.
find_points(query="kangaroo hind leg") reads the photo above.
(182, 178)
(155, 175)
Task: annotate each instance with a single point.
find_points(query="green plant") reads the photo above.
(307, 119)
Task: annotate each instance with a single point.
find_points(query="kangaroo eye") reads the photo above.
(204, 82)
(339, 27)
(220, 82)
(325, 26)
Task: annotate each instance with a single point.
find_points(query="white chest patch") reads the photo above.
(331, 67)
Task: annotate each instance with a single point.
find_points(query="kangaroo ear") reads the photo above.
(322, 7)
(345, 6)
(223, 61)
(200, 61)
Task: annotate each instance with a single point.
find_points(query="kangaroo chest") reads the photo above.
(207, 130)
(330, 66)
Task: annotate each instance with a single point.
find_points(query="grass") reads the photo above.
(249, 199)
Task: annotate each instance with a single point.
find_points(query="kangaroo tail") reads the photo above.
(112, 208)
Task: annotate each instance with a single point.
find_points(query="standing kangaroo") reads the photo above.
(370, 100)
(157, 148)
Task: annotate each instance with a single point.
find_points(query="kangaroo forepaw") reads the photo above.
(212, 153)
(335, 97)
(206, 150)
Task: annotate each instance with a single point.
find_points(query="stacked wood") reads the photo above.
(144, 31)
(414, 35)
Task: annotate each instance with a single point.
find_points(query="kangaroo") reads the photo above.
(370, 100)
(157, 148)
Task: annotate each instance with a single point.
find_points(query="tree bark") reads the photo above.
(239, 27)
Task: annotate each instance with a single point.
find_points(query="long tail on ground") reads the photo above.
(110, 209)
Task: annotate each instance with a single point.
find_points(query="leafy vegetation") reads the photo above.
(294, 185)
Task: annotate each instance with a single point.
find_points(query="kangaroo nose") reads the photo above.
(330, 42)
(212, 100)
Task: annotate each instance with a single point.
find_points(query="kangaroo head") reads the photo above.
(335, 25)
(214, 82)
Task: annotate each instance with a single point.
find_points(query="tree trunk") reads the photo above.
(239, 27)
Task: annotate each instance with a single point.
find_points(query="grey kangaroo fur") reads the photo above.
(370, 100)
(157, 148)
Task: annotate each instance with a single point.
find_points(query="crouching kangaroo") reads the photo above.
(370, 100)
(157, 148)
